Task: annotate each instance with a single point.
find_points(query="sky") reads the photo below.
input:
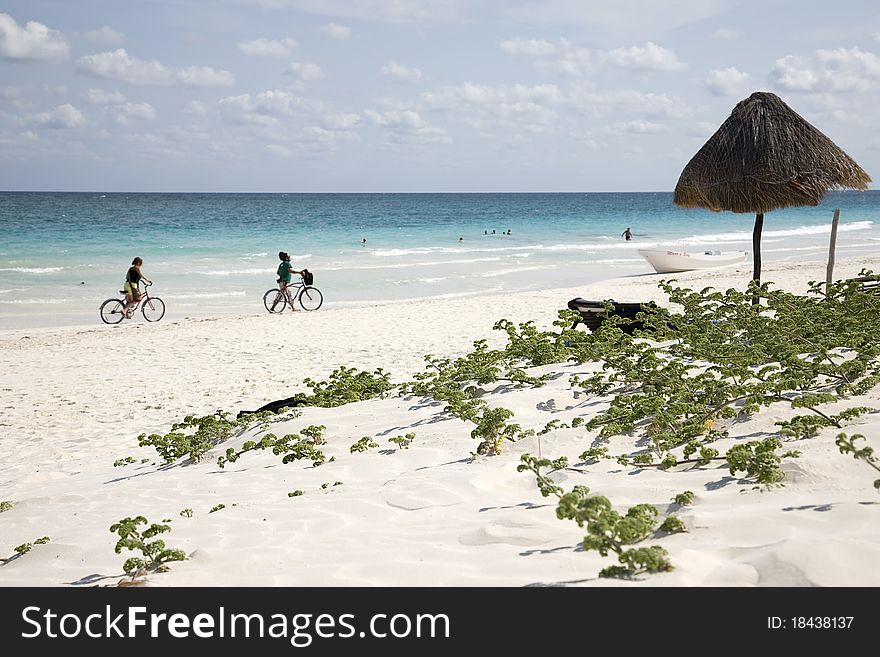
(413, 95)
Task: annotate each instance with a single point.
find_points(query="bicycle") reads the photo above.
(277, 299)
(153, 308)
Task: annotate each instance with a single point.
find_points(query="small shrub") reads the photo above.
(154, 555)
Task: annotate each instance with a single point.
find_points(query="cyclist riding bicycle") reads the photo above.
(132, 292)
(285, 271)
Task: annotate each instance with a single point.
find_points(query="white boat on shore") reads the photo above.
(666, 262)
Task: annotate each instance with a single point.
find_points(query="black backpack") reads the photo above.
(308, 277)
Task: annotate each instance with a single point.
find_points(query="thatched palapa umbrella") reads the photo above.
(763, 157)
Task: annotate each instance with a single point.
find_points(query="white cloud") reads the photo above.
(263, 109)
(305, 71)
(196, 108)
(532, 47)
(400, 72)
(278, 149)
(841, 70)
(34, 41)
(619, 17)
(341, 121)
(268, 47)
(726, 82)
(326, 138)
(395, 11)
(128, 112)
(406, 125)
(336, 31)
(118, 65)
(626, 101)
(106, 36)
(469, 93)
(724, 34)
(638, 127)
(63, 116)
(514, 106)
(561, 57)
(651, 57)
(101, 97)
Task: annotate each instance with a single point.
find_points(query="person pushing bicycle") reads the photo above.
(285, 272)
(132, 292)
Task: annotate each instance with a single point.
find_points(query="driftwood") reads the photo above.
(275, 406)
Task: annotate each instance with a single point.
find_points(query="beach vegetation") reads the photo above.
(121, 463)
(684, 498)
(295, 493)
(186, 513)
(347, 385)
(217, 508)
(688, 374)
(607, 530)
(5, 505)
(847, 445)
(404, 441)
(196, 435)
(363, 445)
(759, 460)
(291, 447)
(154, 554)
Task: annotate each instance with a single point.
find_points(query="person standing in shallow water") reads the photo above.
(627, 234)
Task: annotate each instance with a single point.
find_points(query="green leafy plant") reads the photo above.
(672, 525)
(365, 444)
(291, 447)
(5, 505)
(607, 530)
(154, 555)
(121, 463)
(217, 508)
(295, 493)
(403, 442)
(347, 385)
(196, 435)
(685, 498)
(847, 445)
(186, 513)
(759, 460)
(723, 357)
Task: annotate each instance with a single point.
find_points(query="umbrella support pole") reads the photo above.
(756, 252)
(832, 247)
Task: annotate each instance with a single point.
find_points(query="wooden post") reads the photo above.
(756, 252)
(829, 272)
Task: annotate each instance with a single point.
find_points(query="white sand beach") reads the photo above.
(73, 400)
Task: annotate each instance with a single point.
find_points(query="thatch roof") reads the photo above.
(763, 157)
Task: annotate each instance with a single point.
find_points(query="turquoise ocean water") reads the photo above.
(61, 254)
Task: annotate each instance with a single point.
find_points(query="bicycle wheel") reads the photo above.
(310, 298)
(111, 311)
(153, 309)
(274, 300)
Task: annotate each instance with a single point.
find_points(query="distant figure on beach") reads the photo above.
(364, 242)
(461, 239)
(627, 234)
(485, 232)
(508, 231)
(285, 269)
(493, 231)
(132, 292)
